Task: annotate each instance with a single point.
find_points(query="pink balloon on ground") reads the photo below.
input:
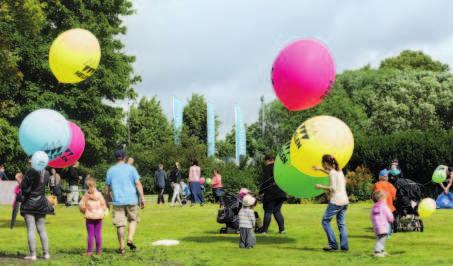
(202, 181)
(303, 74)
(74, 150)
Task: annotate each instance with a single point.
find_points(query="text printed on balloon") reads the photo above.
(301, 133)
(282, 153)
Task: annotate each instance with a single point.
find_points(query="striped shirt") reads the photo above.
(246, 218)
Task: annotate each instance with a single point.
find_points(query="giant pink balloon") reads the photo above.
(74, 150)
(303, 74)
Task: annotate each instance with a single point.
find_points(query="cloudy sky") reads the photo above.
(224, 49)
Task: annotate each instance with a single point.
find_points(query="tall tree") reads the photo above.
(414, 60)
(195, 117)
(148, 124)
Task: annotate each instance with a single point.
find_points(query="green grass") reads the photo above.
(201, 244)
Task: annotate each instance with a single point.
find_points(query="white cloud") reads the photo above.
(225, 49)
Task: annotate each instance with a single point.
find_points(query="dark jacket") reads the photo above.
(33, 188)
(73, 177)
(269, 188)
(176, 176)
(3, 176)
(159, 178)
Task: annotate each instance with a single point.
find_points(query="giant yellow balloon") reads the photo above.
(318, 136)
(74, 55)
(426, 207)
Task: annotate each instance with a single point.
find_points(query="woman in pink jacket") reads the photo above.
(381, 218)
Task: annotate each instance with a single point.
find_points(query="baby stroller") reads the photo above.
(228, 214)
(408, 196)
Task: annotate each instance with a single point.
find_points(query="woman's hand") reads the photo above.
(446, 191)
(317, 168)
(319, 186)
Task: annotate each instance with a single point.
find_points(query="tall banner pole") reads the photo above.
(211, 130)
(240, 134)
(177, 119)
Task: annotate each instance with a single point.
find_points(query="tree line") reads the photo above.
(403, 108)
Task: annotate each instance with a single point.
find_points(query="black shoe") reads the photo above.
(329, 249)
(132, 246)
(344, 250)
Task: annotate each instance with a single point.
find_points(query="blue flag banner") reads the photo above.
(240, 134)
(178, 109)
(211, 130)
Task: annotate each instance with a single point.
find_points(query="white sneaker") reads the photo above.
(30, 257)
(379, 255)
(47, 256)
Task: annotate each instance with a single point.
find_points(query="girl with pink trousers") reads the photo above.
(381, 218)
(94, 207)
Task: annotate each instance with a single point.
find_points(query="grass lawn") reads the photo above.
(201, 244)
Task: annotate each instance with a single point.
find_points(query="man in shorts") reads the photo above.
(126, 191)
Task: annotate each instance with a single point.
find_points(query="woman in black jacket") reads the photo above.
(34, 208)
(273, 198)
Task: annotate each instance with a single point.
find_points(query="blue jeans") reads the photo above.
(340, 212)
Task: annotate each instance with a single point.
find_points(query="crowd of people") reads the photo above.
(125, 192)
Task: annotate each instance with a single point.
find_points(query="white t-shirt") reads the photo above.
(338, 195)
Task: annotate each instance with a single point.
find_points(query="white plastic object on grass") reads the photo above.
(165, 242)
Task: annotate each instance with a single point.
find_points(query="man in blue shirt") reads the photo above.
(124, 186)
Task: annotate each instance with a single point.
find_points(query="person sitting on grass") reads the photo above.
(338, 203)
(381, 218)
(247, 221)
(126, 191)
(93, 206)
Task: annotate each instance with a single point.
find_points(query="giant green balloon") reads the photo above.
(440, 174)
(294, 182)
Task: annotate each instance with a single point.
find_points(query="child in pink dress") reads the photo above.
(381, 218)
(94, 207)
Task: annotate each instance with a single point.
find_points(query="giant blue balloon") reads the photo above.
(45, 130)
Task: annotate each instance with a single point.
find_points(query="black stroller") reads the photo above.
(228, 214)
(408, 196)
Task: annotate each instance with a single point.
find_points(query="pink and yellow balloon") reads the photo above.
(74, 55)
(74, 150)
(303, 74)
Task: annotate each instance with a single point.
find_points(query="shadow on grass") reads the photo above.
(362, 236)
(5, 223)
(271, 240)
(8, 259)
(80, 251)
(317, 249)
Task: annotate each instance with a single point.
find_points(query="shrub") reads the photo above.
(359, 184)
(419, 153)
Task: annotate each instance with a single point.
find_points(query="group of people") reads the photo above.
(183, 193)
(125, 191)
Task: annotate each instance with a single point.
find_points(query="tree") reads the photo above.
(27, 29)
(148, 124)
(195, 117)
(414, 60)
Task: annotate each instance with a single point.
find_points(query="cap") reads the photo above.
(120, 154)
(384, 172)
(248, 201)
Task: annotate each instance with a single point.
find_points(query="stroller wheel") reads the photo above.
(223, 230)
(421, 225)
